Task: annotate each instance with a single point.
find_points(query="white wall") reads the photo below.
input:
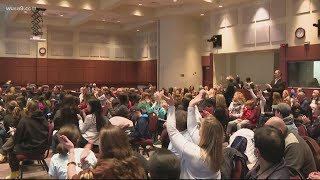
(180, 52)
(78, 44)
(261, 25)
(258, 65)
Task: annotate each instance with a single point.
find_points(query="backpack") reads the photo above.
(315, 148)
(240, 143)
(234, 165)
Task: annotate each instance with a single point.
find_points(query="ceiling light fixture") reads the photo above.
(220, 6)
(103, 19)
(202, 14)
(140, 4)
(138, 30)
(210, 1)
(175, 0)
(118, 21)
(61, 15)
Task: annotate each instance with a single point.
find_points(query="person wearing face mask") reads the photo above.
(270, 150)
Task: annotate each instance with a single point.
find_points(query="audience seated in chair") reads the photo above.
(283, 111)
(92, 124)
(117, 160)
(30, 137)
(236, 106)
(248, 116)
(200, 159)
(270, 150)
(164, 165)
(84, 157)
(298, 155)
(10, 122)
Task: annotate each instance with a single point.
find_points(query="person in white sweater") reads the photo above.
(200, 160)
(92, 124)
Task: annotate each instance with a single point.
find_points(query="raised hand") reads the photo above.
(201, 96)
(66, 142)
(169, 99)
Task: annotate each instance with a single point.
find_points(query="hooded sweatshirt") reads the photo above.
(290, 124)
(31, 136)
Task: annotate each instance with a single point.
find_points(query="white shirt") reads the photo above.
(88, 129)
(193, 166)
(185, 134)
(248, 134)
(58, 164)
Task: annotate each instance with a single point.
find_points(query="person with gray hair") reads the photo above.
(283, 111)
(298, 155)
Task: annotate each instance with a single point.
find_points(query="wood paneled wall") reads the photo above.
(298, 53)
(72, 73)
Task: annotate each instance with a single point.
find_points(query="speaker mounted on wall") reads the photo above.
(216, 41)
(318, 26)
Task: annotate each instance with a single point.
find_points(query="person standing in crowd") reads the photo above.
(238, 84)
(230, 90)
(249, 84)
(270, 150)
(298, 156)
(277, 85)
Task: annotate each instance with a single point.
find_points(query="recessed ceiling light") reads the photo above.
(138, 30)
(61, 15)
(25, 11)
(103, 19)
(175, 0)
(202, 14)
(210, 1)
(140, 4)
(220, 6)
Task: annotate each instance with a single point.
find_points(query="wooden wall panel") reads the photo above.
(298, 53)
(73, 73)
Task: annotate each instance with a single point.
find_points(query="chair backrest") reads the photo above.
(50, 130)
(153, 122)
(315, 148)
(234, 165)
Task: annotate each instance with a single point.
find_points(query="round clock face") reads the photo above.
(300, 33)
(42, 51)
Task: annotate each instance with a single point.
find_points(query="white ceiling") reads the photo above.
(109, 14)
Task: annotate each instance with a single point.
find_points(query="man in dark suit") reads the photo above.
(230, 90)
(277, 85)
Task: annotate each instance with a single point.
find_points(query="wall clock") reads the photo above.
(42, 51)
(300, 33)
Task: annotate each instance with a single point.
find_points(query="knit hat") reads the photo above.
(283, 108)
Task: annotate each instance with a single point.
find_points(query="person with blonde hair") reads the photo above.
(248, 116)
(221, 110)
(200, 160)
(236, 106)
(286, 97)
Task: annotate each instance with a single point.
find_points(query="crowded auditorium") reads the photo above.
(159, 89)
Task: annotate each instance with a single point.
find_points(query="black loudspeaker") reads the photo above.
(216, 41)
